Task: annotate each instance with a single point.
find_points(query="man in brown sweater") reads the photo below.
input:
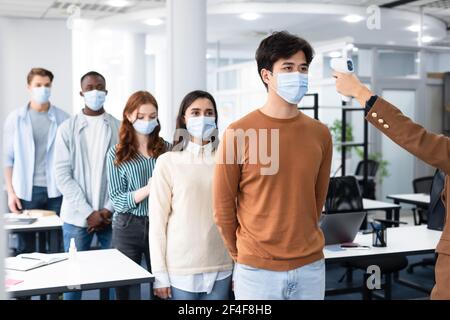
(431, 148)
(271, 180)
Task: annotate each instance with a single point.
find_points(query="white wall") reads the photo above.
(118, 55)
(28, 43)
(444, 62)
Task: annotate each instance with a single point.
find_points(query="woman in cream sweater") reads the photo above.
(188, 258)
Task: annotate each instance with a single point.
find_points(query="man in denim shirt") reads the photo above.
(29, 135)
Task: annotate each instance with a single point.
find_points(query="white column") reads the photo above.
(135, 62)
(157, 46)
(3, 113)
(186, 36)
(82, 34)
(3, 248)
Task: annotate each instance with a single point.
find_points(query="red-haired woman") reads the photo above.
(130, 166)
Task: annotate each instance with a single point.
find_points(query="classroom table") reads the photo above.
(419, 199)
(94, 269)
(392, 210)
(405, 241)
(408, 240)
(50, 224)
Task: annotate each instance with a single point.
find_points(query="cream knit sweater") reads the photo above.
(183, 237)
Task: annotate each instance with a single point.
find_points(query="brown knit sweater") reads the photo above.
(268, 211)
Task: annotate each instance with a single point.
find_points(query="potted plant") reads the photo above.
(336, 132)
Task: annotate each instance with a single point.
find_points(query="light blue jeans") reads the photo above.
(220, 291)
(304, 283)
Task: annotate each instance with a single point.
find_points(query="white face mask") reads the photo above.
(40, 95)
(201, 127)
(94, 99)
(145, 127)
(292, 86)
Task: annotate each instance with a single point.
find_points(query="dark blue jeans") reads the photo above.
(39, 200)
(83, 241)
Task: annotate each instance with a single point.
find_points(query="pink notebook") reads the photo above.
(12, 282)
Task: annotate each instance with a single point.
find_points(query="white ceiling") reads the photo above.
(61, 9)
(230, 30)
(99, 8)
(437, 8)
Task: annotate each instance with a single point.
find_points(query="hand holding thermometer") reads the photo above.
(344, 65)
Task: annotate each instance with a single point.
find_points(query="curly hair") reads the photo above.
(127, 148)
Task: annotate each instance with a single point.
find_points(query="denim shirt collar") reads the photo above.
(51, 112)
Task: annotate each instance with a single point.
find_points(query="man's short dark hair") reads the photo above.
(94, 74)
(39, 72)
(281, 45)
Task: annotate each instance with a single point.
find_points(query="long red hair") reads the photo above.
(127, 148)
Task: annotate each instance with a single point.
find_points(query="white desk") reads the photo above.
(404, 240)
(41, 224)
(51, 224)
(419, 199)
(95, 269)
(370, 205)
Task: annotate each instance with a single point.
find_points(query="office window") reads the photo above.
(227, 80)
(392, 63)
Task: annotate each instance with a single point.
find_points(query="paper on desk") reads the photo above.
(12, 282)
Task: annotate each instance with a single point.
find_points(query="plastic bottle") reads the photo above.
(72, 250)
(73, 275)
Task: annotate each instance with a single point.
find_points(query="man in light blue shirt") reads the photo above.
(29, 135)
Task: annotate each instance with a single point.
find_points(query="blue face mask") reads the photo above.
(145, 127)
(201, 127)
(94, 99)
(40, 95)
(292, 86)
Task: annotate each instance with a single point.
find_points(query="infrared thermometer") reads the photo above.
(344, 65)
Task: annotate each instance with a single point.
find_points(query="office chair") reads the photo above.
(372, 168)
(344, 194)
(368, 191)
(421, 185)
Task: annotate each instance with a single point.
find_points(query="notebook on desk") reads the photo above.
(19, 220)
(27, 216)
(29, 261)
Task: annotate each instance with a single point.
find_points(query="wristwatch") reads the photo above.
(370, 103)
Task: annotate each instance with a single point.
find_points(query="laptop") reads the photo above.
(340, 228)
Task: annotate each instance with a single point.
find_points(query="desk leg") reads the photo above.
(388, 214)
(54, 241)
(397, 215)
(54, 296)
(152, 296)
(42, 242)
(104, 294)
